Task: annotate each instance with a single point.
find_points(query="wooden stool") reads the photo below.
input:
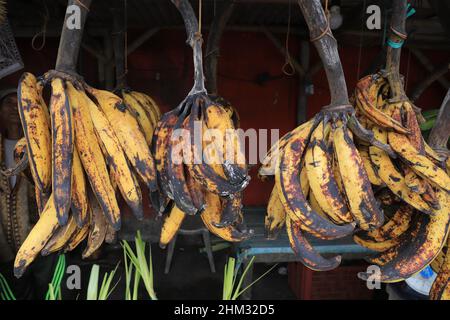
(206, 241)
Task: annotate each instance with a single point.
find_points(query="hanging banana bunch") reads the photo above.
(199, 157)
(85, 147)
(416, 233)
(322, 188)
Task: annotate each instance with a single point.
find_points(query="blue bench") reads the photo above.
(279, 250)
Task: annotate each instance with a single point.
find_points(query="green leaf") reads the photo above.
(92, 292)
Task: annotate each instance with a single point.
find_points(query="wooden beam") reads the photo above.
(141, 39)
(428, 65)
(422, 85)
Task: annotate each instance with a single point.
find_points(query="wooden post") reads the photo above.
(397, 35)
(70, 43)
(119, 30)
(327, 48)
(195, 41)
(213, 46)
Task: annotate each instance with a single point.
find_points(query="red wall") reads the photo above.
(162, 67)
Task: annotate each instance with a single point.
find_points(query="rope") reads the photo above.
(327, 30)
(42, 32)
(288, 59)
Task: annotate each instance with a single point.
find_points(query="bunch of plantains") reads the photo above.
(199, 157)
(84, 147)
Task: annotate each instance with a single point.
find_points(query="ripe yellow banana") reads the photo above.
(440, 289)
(91, 156)
(62, 149)
(130, 136)
(275, 216)
(390, 175)
(416, 254)
(371, 173)
(146, 123)
(79, 191)
(37, 238)
(61, 237)
(358, 190)
(97, 228)
(321, 177)
(305, 251)
(386, 236)
(35, 123)
(79, 235)
(416, 161)
(120, 170)
(211, 216)
(171, 225)
(287, 180)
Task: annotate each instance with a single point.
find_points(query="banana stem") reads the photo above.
(397, 29)
(195, 40)
(71, 35)
(326, 46)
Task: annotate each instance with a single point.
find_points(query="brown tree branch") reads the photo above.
(195, 41)
(327, 48)
(397, 34)
(70, 43)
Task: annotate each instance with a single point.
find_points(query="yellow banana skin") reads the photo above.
(144, 119)
(35, 124)
(211, 216)
(305, 251)
(91, 156)
(130, 136)
(287, 180)
(148, 104)
(440, 290)
(171, 225)
(235, 168)
(62, 149)
(61, 237)
(79, 192)
(371, 173)
(37, 238)
(415, 254)
(386, 236)
(358, 190)
(117, 162)
(393, 179)
(321, 177)
(97, 228)
(416, 161)
(275, 216)
(77, 237)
